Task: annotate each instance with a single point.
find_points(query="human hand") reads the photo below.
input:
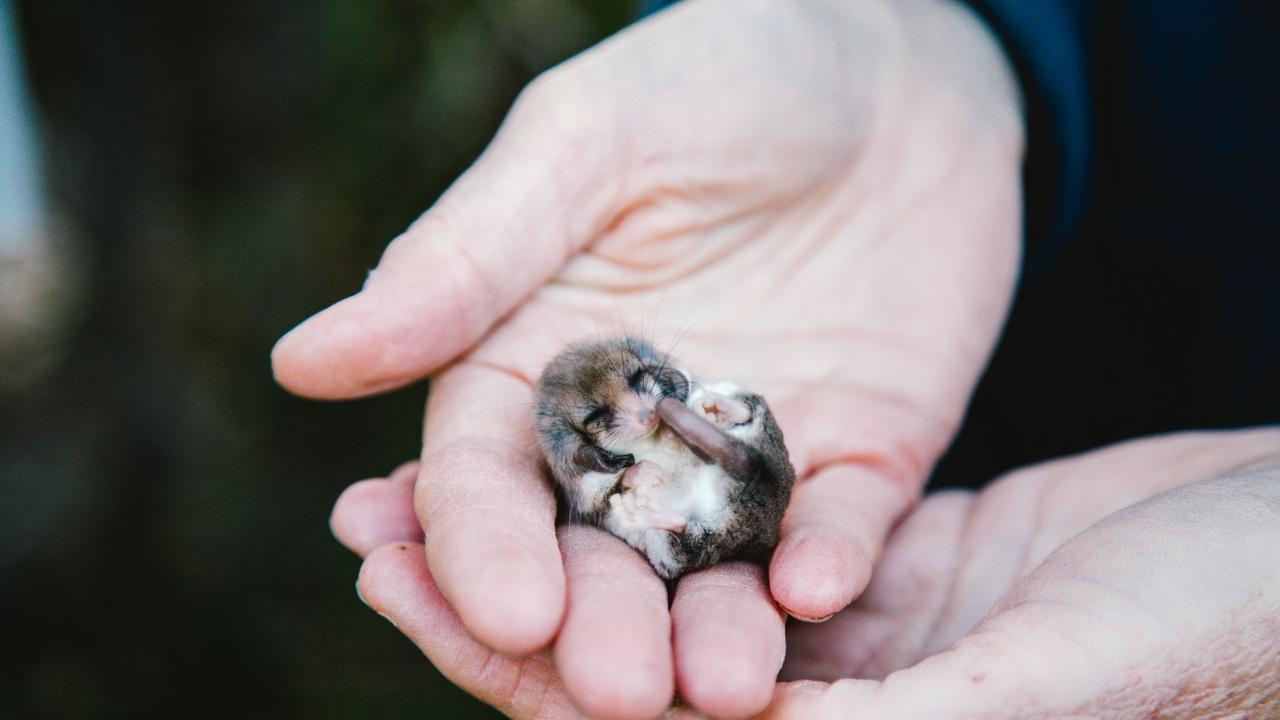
(842, 178)
(1166, 608)
(1069, 592)
(375, 519)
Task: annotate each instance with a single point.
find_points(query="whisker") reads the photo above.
(657, 313)
(642, 314)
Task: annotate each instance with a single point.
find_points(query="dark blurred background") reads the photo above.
(216, 172)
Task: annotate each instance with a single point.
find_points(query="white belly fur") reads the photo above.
(697, 490)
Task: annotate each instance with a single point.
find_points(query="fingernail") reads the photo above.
(811, 620)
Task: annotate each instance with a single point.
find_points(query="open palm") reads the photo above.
(819, 200)
(1133, 581)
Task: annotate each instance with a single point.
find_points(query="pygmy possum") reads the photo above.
(687, 473)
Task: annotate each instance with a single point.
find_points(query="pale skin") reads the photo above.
(821, 199)
(1136, 581)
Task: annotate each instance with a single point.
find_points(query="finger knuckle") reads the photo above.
(560, 102)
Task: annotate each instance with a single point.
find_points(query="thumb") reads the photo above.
(535, 196)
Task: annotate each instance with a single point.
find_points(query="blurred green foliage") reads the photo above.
(221, 170)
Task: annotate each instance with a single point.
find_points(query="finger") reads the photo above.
(452, 274)
(729, 640)
(405, 473)
(897, 617)
(395, 583)
(832, 535)
(488, 510)
(372, 513)
(614, 651)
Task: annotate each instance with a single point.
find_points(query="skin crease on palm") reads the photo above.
(1136, 581)
(821, 200)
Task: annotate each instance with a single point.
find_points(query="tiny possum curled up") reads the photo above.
(687, 473)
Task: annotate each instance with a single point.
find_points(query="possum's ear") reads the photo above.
(590, 458)
(674, 382)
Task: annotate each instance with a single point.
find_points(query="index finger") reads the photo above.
(488, 511)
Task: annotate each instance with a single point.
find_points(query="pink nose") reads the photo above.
(647, 419)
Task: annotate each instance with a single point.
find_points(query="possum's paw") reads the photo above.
(638, 510)
(643, 474)
(721, 409)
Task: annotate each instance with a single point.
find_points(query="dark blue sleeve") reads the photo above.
(652, 6)
(1044, 41)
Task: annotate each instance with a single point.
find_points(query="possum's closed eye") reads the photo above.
(593, 458)
(597, 418)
